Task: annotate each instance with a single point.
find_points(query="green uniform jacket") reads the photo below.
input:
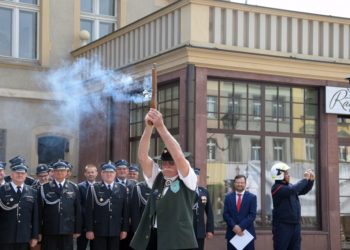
(174, 217)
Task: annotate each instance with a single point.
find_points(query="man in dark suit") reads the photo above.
(203, 227)
(90, 173)
(106, 211)
(19, 222)
(240, 212)
(60, 210)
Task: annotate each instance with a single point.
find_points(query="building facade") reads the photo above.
(240, 87)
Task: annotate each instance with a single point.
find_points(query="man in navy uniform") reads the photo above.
(2, 172)
(122, 169)
(133, 172)
(60, 210)
(90, 173)
(240, 212)
(106, 211)
(167, 221)
(138, 201)
(19, 222)
(203, 228)
(42, 174)
(16, 161)
(286, 214)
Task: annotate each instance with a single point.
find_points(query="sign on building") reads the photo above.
(338, 100)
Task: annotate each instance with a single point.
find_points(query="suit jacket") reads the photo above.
(202, 206)
(28, 181)
(60, 211)
(22, 226)
(246, 215)
(107, 212)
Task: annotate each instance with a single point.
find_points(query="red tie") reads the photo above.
(239, 201)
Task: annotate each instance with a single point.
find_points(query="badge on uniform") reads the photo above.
(204, 199)
(175, 186)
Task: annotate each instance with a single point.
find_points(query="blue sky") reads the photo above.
(324, 7)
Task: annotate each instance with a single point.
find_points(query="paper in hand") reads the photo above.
(240, 242)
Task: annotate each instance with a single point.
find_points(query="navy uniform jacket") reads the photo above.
(286, 205)
(244, 218)
(202, 206)
(61, 212)
(83, 189)
(106, 211)
(21, 223)
(138, 202)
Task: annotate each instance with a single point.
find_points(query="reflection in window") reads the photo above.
(278, 109)
(310, 149)
(255, 150)
(343, 153)
(265, 128)
(211, 149)
(279, 149)
(212, 106)
(235, 149)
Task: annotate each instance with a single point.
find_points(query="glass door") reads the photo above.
(344, 179)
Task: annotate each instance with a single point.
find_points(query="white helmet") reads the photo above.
(278, 169)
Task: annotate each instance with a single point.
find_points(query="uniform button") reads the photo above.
(110, 216)
(19, 214)
(147, 236)
(19, 221)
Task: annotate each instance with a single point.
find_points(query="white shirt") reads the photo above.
(110, 185)
(190, 180)
(15, 186)
(238, 196)
(62, 183)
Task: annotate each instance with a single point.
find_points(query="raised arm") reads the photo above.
(145, 161)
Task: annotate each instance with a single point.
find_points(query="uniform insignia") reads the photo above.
(101, 199)
(204, 199)
(11, 199)
(175, 186)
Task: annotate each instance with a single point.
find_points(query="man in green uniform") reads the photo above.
(167, 222)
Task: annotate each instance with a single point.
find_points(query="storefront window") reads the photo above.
(168, 104)
(266, 123)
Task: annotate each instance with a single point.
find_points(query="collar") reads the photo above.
(242, 193)
(171, 178)
(58, 183)
(15, 186)
(90, 183)
(2, 183)
(106, 184)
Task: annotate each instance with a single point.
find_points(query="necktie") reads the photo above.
(239, 201)
(109, 187)
(60, 187)
(19, 192)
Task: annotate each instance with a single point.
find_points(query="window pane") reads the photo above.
(284, 93)
(298, 126)
(311, 96)
(226, 89)
(270, 93)
(27, 34)
(29, 1)
(298, 110)
(284, 125)
(107, 7)
(87, 25)
(298, 95)
(5, 32)
(86, 5)
(221, 170)
(106, 28)
(212, 88)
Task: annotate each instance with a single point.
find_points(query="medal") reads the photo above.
(101, 199)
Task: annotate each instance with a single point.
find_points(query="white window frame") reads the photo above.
(16, 6)
(97, 18)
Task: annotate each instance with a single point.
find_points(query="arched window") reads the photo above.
(52, 148)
